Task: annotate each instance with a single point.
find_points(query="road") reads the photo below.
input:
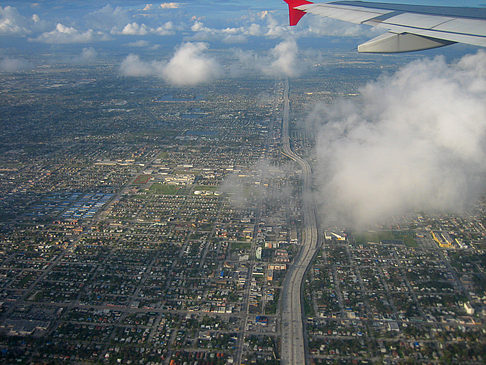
(293, 348)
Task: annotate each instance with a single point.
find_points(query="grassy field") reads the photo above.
(397, 237)
(240, 245)
(205, 188)
(142, 179)
(163, 189)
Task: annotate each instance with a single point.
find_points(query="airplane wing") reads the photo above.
(410, 27)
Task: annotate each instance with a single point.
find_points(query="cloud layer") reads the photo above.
(413, 141)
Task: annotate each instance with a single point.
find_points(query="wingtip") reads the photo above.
(295, 14)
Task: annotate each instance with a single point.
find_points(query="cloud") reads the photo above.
(264, 24)
(135, 29)
(165, 29)
(63, 34)
(318, 26)
(9, 64)
(281, 61)
(108, 18)
(139, 43)
(412, 141)
(141, 29)
(189, 66)
(170, 5)
(284, 59)
(132, 65)
(88, 55)
(11, 22)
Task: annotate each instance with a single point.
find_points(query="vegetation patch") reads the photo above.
(142, 179)
(240, 245)
(205, 188)
(164, 189)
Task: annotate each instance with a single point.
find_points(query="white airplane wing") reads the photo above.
(410, 27)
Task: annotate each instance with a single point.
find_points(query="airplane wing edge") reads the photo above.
(409, 29)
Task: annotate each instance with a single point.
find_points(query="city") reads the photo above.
(147, 224)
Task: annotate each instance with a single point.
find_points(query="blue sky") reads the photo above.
(88, 31)
(93, 21)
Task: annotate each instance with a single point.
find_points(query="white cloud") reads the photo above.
(170, 5)
(88, 54)
(9, 64)
(284, 59)
(147, 7)
(189, 66)
(135, 29)
(281, 61)
(318, 26)
(132, 65)
(11, 22)
(165, 29)
(63, 34)
(413, 141)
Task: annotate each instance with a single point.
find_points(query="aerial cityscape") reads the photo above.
(269, 203)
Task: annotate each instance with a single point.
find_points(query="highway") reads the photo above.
(293, 348)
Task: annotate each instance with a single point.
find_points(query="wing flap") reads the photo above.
(404, 42)
(472, 39)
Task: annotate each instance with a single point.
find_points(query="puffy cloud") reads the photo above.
(266, 24)
(189, 66)
(88, 54)
(135, 29)
(284, 57)
(170, 5)
(141, 29)
(280, 61)
(318, 26)
(412, 141)
(132, 65)
(147, 7)
(9, 64)
(165, 29)
(64, 34)
(11, 22)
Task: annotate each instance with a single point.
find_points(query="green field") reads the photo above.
(397, 237)
(142, 179)
(240, 245)
(205, 188)
(164, 189)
